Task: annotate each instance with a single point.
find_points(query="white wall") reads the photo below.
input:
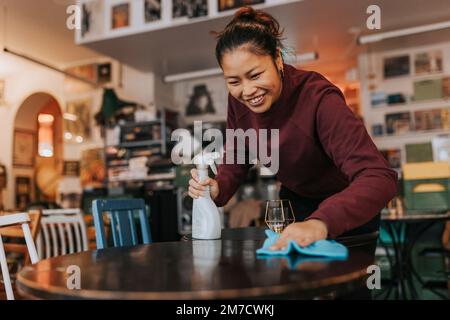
(404, 84)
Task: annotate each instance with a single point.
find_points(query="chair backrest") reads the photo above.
(122, 221)
(63, 231)
(8, 221)
(15, 232)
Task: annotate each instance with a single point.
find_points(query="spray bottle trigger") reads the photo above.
(213, 167)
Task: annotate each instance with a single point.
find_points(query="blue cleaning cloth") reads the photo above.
(321, 248)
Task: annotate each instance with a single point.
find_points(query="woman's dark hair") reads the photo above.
(255, 28)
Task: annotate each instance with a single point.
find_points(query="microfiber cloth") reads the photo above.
(321, 248)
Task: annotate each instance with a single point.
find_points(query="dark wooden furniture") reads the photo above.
(218, 269)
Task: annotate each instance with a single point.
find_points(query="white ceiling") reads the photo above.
(37, 28)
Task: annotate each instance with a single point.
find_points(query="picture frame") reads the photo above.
(152, 10)
(398, 123)
(24, 148)
(104, 72)
(396, 66)
(224, 5)
(79, 123)
(428, 62)
(23, 192)
(91, 18)
(189, 9)
(71, 168)
(120, 15)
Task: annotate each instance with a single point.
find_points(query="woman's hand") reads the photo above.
(197, 189)
(304, 233)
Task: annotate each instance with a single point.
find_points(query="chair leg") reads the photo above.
(5, 273)
(30, 244)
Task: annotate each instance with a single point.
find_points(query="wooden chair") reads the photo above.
(8, 221)
(122, 221)
(16, 232)
(63, 231)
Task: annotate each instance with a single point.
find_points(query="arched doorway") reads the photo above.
(38, 150)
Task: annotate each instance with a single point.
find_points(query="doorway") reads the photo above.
(37, 151)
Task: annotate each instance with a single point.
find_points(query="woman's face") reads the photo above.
(252, 79)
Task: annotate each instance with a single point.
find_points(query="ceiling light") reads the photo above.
(193, 75)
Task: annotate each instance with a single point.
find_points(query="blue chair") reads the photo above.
(123, 228)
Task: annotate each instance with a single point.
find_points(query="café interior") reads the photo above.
(93, 205)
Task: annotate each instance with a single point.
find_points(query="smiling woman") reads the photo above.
(330, 170)
(249, 52)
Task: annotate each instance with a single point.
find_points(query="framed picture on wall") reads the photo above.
(398, 123)
(152, 10)
(77, 126)
(24, 148)
(200, 101)
(23, 192)
(189, 8)
(224, 5)
(120, 15)
(428, 62)
(71, 168)
(396, 66)
(91, 18)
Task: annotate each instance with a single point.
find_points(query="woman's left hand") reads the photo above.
(304, 233)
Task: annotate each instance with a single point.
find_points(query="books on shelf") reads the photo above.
(377, 130)
(378, 98)
(398, 123)
(446, 87)
(419, 152)
(396, 66)
(430, 89)
(428, 62)
(429, 119)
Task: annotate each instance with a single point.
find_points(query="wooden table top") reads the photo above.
(202, 269)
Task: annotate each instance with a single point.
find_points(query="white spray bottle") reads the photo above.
(205, 215)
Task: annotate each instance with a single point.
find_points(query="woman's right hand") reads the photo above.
(197, 188)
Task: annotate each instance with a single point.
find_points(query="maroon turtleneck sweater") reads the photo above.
(325, 152)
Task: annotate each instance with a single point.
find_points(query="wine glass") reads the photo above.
(279, 214)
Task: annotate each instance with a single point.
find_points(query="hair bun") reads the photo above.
(245, 14)
(248, 16)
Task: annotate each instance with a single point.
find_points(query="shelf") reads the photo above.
(154, 177)
(414, 77)
(133, 144)
(191, 45)
(136, 124)
(412, 134)
(413, 105)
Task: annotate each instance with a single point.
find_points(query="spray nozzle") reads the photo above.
(205, 159)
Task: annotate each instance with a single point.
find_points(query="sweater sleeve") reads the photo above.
(230, 176)
(371, 181)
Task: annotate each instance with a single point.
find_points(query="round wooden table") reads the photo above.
(202, 269)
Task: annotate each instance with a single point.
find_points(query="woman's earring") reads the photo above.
(282, 72)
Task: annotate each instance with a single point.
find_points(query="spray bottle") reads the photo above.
(205, 215)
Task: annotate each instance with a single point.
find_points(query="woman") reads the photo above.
(329, 167)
